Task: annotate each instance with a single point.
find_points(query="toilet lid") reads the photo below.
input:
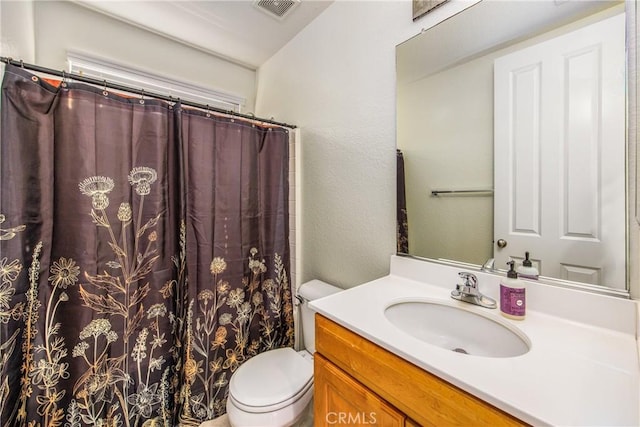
(271, 380)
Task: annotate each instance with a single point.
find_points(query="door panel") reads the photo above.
(525, 154)
(560, 154)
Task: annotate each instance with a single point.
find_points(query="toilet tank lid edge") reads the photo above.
(315, 289)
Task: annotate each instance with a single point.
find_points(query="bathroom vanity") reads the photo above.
(580, 365)
(358, 378)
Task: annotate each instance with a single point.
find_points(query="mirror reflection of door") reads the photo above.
(560, 154)
(445, 124)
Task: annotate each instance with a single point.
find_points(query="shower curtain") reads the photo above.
(402, 222)
(144, 255)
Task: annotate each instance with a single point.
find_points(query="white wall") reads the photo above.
(336, 80)
(445, 130)
(16, 30)
(62, 26)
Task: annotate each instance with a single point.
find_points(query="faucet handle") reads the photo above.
(470, 280)
(469, 291)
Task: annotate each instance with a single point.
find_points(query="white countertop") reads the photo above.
(576, 373)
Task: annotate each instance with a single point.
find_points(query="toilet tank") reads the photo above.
(310, 291)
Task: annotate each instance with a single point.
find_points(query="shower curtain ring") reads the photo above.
(21, 63)
(208, 111)
(142, 96)
(105, 92)
(64, 79)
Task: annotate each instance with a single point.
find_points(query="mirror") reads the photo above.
(511, 128)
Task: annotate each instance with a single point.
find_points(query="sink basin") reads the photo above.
(457, 329)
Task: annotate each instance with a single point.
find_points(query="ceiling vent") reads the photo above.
(276, 8)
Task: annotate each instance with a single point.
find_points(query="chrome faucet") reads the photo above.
(488, 265)
(468, 291)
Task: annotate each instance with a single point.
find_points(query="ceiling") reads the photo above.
(232, 29)
(489, 26)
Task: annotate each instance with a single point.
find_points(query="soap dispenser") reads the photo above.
(527, 270)
(512, 295)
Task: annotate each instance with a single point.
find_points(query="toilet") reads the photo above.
(275, 388)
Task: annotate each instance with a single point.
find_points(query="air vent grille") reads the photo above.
(276, 8)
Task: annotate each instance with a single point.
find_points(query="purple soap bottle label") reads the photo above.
(512, 301)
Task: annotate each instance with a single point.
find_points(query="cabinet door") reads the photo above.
(339, 400)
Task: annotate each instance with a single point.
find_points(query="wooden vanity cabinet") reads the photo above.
(359, 383)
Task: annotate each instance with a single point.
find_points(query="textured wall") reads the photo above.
(16, 30)
(336, 80)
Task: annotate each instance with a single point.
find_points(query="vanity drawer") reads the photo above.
(423, 397)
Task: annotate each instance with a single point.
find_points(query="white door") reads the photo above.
(559, 146)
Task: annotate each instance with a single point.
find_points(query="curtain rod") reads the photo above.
(117, 86)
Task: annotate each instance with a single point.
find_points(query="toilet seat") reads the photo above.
(270, 381)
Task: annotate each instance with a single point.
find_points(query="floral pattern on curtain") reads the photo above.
(143, 256)
(240, 245)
